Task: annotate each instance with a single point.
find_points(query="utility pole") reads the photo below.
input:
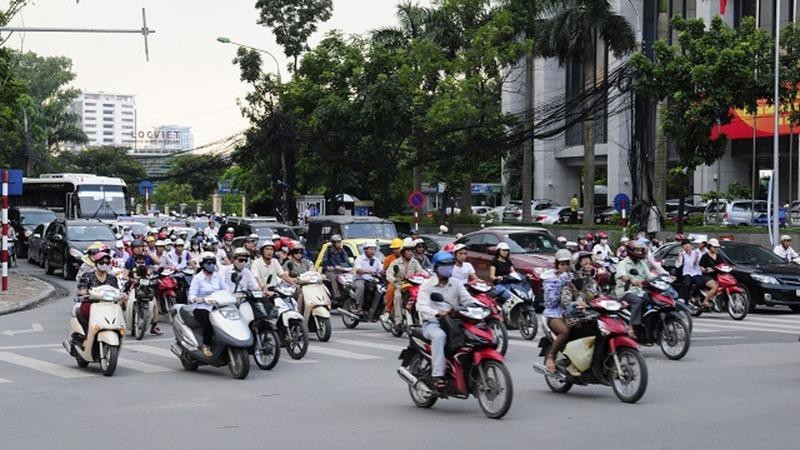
(26, 146)
(776, 202)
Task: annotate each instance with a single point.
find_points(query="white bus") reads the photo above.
(75, 195)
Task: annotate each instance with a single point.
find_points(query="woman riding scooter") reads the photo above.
(98, 277)
(204, 284)
(556, 293)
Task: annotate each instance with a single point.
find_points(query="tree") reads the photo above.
(201, 172)
(293, 22)
(572, 34)
(103, 161)
(709, 72)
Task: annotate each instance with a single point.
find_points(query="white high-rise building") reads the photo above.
(107, 119)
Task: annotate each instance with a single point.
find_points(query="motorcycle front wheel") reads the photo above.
(297, 340)
(140, 317)
(108, 359)
(528, 324)
(323, 329)
(267, 351)
(675, 339)
(349, 321)
(495, 389)
(630, 384)
(500, 335)
(737, 306)
(238, 363)
(420, 367)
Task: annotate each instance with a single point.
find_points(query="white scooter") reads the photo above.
(106, 328)
(316, 304)
(290, 324)
(140, 307)
(232, 337)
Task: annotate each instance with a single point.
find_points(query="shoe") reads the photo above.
(154, 330)
(207, 352)
(385, 317)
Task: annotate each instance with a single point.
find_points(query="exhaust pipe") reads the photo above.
(542, 369)
(413, 381)
(347, 313)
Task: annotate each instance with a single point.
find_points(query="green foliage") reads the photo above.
(200, 172)
(103, 161)
(173, 194)
(739, 190)
(293, 21)
(790, 71)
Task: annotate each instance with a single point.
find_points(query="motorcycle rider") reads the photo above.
(454, 294)
(584, 282)
(87, 261)
(556, 296)
(700, 242)
(622, 250)
(367, 267)
(227, 244)
(137, 266)
(689, 261)
(401, 268)
(119, 256)
(237, 276)
(462, 270)
(785, 250)
(180, 257)
(205, 283)
(211, 230)
(602, 250)
(335, 257)
(162, 257)
(629, 285)
(297, 263)
(708, 265)
(250, 245)
(196, 249)
(267, 270)
(98, 277)
(501, 267)
(419, 253)
(396, 247)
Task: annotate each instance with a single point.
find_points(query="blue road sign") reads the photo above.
(622, 201)
(146, 186)
(15, 182)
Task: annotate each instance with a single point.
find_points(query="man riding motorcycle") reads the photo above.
(205, 283)
(335, 257)
(138, 266)
(602, 250)
(454, 294)
(297, 263)
(267, 270)
(367, 268)
(629, 285)
(180, 258)
(237, 276)
(250, 245)
(419, 250)
(402, 267)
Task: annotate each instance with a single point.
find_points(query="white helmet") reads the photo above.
(503, 246)
(443, 228)
(713, 242)
(563, 255)
(370, 244)
(419, 241)
(459, 247)
(160, 243)
(119, 244)
(409, 243)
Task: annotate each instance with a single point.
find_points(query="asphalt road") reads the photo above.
(736, 389)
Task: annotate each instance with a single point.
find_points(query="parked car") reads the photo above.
(733, 212)
(138, 229)
(605, 215)
(36, 245)
(353, 248)
(513, 211)
(263, 227)
(552, 215)
(159, 221)
(532, 250)
(768, 279)
(480, 210)
(67, 240)
(763, 220)
(321, 228)
(24, 220)
(435, 242)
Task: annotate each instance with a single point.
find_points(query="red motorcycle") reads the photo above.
(729, 295)
(166, 292)
(599, 351)
(479, 290)
(410, 291)
(473, 365)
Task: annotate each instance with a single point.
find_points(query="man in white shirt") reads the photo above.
(463, 271)
(180, 258)
(689, 260)
(211, 230)
(785, 250)
(267, 271)
(453, 294)
(237, 276)
(366, 268)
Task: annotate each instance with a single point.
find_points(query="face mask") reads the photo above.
(445, 271)
(604, 241)
(103, 267)
(209, 267)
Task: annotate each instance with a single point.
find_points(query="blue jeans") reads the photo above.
(432, 331)
(501, 293)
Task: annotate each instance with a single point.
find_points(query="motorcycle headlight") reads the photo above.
(230, 313)
(766, 279)
(75, 253)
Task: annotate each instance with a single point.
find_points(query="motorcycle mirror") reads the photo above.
(437, 297)
(235, 277)
(396, 270)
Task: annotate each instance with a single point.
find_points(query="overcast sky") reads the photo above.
(190, 79)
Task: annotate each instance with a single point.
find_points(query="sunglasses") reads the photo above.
(242, 260)
(104, 261)
(562, 263)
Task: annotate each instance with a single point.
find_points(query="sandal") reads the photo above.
(154, 330)
(439, 383)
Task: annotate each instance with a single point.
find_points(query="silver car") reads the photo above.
(733, 212)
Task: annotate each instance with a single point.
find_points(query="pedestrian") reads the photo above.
(573, 209)
(653, 221)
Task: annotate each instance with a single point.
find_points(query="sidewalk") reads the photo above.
(23, 291)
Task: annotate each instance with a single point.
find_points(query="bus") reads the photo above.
(75, 195)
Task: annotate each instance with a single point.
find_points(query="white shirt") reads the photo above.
(221, 257)
(690, 262)
(267, 275)
(246, 280)
(179, 261)
(204, 285)
(601, 252)
(787, 254)
(454, 294)
(211, 232)
(463, 273)
(363, 262)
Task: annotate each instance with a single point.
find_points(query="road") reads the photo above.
(736, 389)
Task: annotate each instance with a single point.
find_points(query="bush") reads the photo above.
(694, 220)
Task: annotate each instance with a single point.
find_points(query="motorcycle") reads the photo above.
(292, 331)
(104, 338)
(167, 292)
(184, 279)
(344, 277)
(374, 308)
(480, 292)
(606, 272)
(140, 306)
(662, 322)
(316, 304)
(519, 311)
(232, 337)
(410, 292)
(729, 295)
(266, 349)
(598, 352)
(474, 366)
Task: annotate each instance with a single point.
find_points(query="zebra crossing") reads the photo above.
(362, 345)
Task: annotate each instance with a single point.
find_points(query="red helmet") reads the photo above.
(449, 247)
(589, 237)
(284, 242)
(163, 235)
(602, 235)
(679, 237)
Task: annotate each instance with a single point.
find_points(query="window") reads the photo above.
(108, 112)
(473, 243)
(108, 125)
(127, 113)
(108, 141)
(108, 105)
(490, 240)
(89, 125)
(91, 104)
(740, 207)
(90, 111)
(108, 133)
(126, 119)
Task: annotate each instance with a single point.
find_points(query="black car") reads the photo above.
(435, 242)
(25, 220)
(768, 279)
(36, 245)
(264, 228)
(67, 240)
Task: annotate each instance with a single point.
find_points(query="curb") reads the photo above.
(33, 301)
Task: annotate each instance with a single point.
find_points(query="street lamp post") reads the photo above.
(226, 40)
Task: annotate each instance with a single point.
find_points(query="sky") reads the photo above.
(189, 80)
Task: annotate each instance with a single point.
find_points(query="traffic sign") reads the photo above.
(145, 187)
(416, 200)
(14, 182)
(622, 202)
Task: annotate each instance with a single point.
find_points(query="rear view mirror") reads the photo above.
(58, 238)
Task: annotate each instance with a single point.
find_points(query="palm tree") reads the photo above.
(571, 33)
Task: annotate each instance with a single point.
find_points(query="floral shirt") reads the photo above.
(556, 288)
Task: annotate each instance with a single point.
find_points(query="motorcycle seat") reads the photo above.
(188, 318)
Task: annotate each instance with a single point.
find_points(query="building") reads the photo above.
(558, 161)
(156, 148)
(107, 119)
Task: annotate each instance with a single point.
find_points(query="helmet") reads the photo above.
(276, 237)
(458, 247)
(241, 252)
(252, 238)
(180, 243)
(713, 242)
(119, 244)
(786, 237)
(419, 241)
(207, 256)
(443, 229)
(589, 237)
(335, 238)
(94, 247)
(99, 255)
(370, 244)
(266, 244)
(137, 243)
(449, 247)
(297, 245)
(160, 243)
(679, 237)
(151, 238)
(602, 235)
(562, 239)
(408, 243)
(396, 243)
(503, 246)
(563, 255)
(285, 242)
(443, 258)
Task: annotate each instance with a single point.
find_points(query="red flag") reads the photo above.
(723, 4)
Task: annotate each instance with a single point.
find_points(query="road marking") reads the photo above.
(59, 345)
(35, 328)
(139, 348)
(758, 319)
(42, 366)
(727, 327)
(341, 353)
(716, 338)
(3, 380)
(298, 361)
(135, 365)
(387, 347)
(750, 323)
